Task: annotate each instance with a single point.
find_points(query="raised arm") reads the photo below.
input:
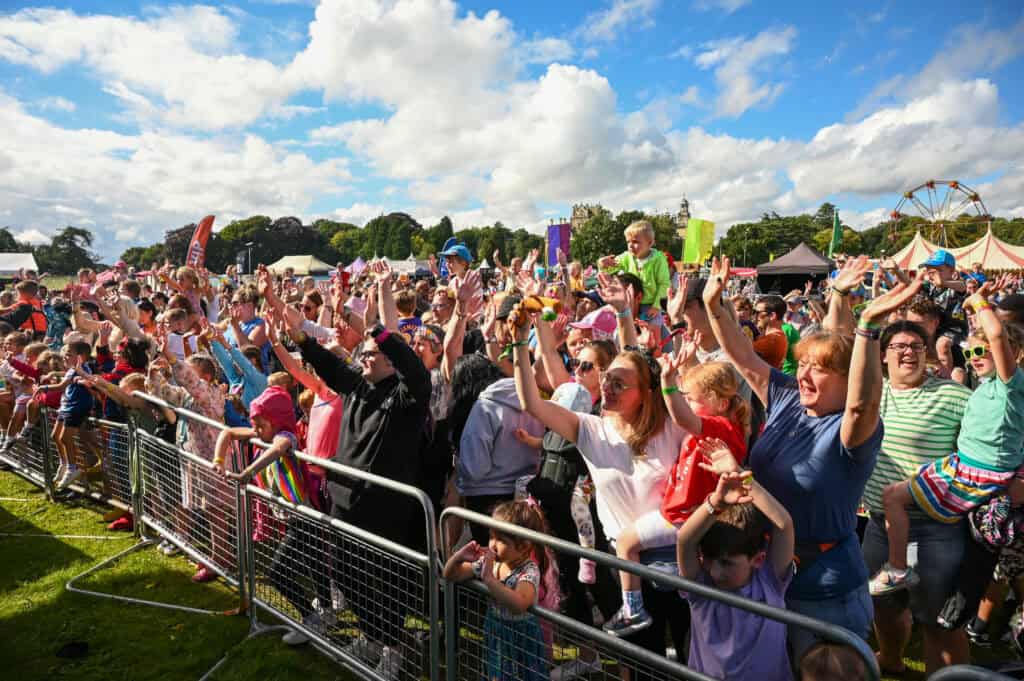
(729, 491)
(755, 371)
(621, 298)
(406, 363)
(385, 297)
(840, 316)
(547, 351)
(288, 362)
(554, 417)
(678, 408)
(864, 383)
(999, 345)
(780, 549)
(468, 303)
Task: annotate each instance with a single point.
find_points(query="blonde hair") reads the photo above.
(281, 378)
(640, 227)
(134, 378)
(651, 418)
(306, 398)
(34, 350)
(1013, 333)
(188, 272)
(719, 379)
(830, 350)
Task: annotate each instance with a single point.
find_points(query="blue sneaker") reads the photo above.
(622, 624)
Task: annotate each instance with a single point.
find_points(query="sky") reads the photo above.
(132, 118)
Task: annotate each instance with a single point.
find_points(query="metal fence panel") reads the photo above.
(189, 504)
(365, 598)
(28, 454)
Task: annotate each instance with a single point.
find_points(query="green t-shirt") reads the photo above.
(792, 338)
(653, 273)
(992, 432)
(921, 425)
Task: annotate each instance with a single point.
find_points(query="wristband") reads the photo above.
(870, 334)
(625, 314)
(842, 293)
(218, 460)
(669, 389)
(981, 305)
(748, 478)
(866, 325)
(710, 507)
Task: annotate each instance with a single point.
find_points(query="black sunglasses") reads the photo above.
(583, 367)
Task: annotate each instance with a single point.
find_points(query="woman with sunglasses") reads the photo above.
(989, 449)
(921, 414)
(628, 449)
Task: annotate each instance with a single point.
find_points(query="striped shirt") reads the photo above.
(921, 425)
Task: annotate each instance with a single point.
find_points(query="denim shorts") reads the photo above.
(935, 549)
(852, 611)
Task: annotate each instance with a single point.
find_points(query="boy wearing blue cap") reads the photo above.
(944, 287)
(456, 258)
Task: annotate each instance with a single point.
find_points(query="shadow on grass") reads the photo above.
(25, 560)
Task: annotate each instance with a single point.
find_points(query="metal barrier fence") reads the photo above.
(363, 599)
(470, 642)
(966, 672)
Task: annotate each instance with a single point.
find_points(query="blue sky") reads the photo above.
(132, 118)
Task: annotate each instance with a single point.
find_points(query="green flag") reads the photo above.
(836, 244)
(700, 239)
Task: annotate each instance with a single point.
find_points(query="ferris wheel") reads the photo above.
(941, 203)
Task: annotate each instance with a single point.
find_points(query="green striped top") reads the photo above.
(921, 425)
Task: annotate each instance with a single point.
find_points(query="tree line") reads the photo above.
(397, 235)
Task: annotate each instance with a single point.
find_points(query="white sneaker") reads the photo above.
(62, 472)
(328, 616)
(575, 669)
(72, 475)
(168, 548)
(363, 649)
(390, 667)
(296, 637)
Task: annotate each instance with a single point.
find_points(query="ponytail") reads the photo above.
(528, 515)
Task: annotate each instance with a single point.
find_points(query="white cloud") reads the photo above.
(736, 63)
(727, 6)
(135, 187)
(198, 82)
(55, 104)
(691, 96)
(605, 24)
(32, 236)
(545, 51)
(360, 213)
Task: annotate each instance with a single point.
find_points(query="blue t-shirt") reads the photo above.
(801, 461)
(76, 400)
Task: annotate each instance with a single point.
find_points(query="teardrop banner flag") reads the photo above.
(196, 255)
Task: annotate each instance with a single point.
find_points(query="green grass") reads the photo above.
(38, 616)
(57, 282)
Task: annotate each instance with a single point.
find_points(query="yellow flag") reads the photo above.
(700, 239)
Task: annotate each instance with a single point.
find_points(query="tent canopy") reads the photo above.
(10, 263)
(302, 264)
(801, 260)
(992, 252)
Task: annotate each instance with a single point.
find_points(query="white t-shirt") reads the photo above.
(626, 486)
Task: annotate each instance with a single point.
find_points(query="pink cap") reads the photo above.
(601, 322)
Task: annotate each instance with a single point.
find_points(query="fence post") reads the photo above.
(48, 472)
(135, 476)
(242, 537)
(250, 559)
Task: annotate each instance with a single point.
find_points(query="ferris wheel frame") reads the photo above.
(939, 210)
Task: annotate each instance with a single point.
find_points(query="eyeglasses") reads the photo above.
(761, 312)
(976, 351)
(900, 348)
(580, 366)
(615, 385)
(367, 355)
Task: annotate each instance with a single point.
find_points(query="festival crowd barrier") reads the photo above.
(346, 589)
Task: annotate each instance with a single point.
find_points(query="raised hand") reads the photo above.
(614, 293)
(469, 553)
(732, 489)
(852, 273)
(718, 458)
(717, 280)
(562, 260)
(468, 293)
(881, 307)
(677, 300)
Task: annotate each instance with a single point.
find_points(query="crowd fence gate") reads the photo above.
(967, 672)
(464, 636)
(292, 562)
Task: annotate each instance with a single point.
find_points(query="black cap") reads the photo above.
(592, 296)
(695, 290)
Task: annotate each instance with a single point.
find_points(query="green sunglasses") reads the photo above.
(976, 351)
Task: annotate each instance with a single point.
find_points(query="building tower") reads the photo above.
(682, 218)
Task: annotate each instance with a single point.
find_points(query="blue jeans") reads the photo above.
(935, 549)
(853, 611)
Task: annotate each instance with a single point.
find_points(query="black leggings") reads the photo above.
(301, 554)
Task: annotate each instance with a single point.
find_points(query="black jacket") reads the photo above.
(382, 426)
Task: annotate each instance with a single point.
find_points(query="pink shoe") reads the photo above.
(204, 574)
(588, 571)
(123, 523)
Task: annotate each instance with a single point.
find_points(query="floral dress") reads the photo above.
(515, 643)
(206, 400)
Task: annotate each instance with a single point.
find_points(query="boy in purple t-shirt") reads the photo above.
(723, 544)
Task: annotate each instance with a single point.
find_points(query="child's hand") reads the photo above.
(527, 439)
(487, 570)
(718, 457)
(469, 553)
(731, 490)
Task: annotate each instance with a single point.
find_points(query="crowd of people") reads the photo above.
(836, 451)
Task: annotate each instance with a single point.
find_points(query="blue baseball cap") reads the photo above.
(939, 258)
(452, 247)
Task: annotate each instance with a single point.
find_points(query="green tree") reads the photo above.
(599, 236)
(8, 244)
(67, 253)
(241, 231)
